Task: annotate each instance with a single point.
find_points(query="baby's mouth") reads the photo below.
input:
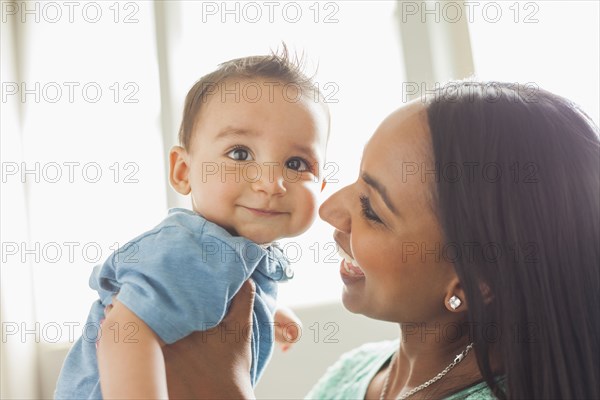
(264, 212)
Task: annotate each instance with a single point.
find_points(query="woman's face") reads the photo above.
(386, 226)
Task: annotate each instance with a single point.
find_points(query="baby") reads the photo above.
(253, 140)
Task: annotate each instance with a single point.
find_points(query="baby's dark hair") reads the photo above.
(279, 66)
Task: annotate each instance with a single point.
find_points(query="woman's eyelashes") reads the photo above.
(367, 211)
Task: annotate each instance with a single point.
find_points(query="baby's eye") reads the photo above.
(297, 164)
(239, 154)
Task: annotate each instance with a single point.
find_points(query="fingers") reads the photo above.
(209, 364)
(110, 306)
(287, 327)
(285, 316)
(107, 309)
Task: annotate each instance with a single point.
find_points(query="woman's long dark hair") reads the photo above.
(518, 191)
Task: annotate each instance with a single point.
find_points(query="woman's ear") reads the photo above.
(455, 300)
(486, 292)
(179, 170)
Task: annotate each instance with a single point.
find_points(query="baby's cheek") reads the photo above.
(215, 198)
(306, 207)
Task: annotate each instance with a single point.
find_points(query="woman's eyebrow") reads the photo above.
(375, 184)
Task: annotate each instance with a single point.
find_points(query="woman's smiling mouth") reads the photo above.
(350, 270)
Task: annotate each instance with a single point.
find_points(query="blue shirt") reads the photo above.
(178, 278)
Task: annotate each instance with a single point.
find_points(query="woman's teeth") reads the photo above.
(350, 264)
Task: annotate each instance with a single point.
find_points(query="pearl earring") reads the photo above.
(454, 302)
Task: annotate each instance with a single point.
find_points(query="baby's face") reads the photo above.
(256, 159)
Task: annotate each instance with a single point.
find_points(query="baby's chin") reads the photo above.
(256, 237)
(263, 236)
(266, 233)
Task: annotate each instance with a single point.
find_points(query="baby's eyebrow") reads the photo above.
(233, 131)
(306, 150)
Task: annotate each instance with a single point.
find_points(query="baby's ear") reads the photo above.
(179, 170)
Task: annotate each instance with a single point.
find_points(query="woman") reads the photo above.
(474, 224)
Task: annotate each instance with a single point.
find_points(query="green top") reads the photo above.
(350, 376)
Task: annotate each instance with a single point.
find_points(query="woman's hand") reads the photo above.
(216, 363)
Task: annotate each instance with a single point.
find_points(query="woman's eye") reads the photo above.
(297, 164)
(239, 154)
(366, 209)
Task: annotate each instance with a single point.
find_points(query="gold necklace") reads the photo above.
(457, 359)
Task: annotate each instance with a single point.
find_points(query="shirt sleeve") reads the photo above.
(177, 281)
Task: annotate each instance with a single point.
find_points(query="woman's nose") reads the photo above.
(335, 210)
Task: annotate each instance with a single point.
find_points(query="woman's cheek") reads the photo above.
(367, 251)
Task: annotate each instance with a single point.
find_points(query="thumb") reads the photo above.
(240, 311)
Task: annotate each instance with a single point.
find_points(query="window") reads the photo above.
(92, 168)
(552, 44)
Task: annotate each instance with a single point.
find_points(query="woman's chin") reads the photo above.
(351, 302)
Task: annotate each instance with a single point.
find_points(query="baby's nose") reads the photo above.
(270, 180)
